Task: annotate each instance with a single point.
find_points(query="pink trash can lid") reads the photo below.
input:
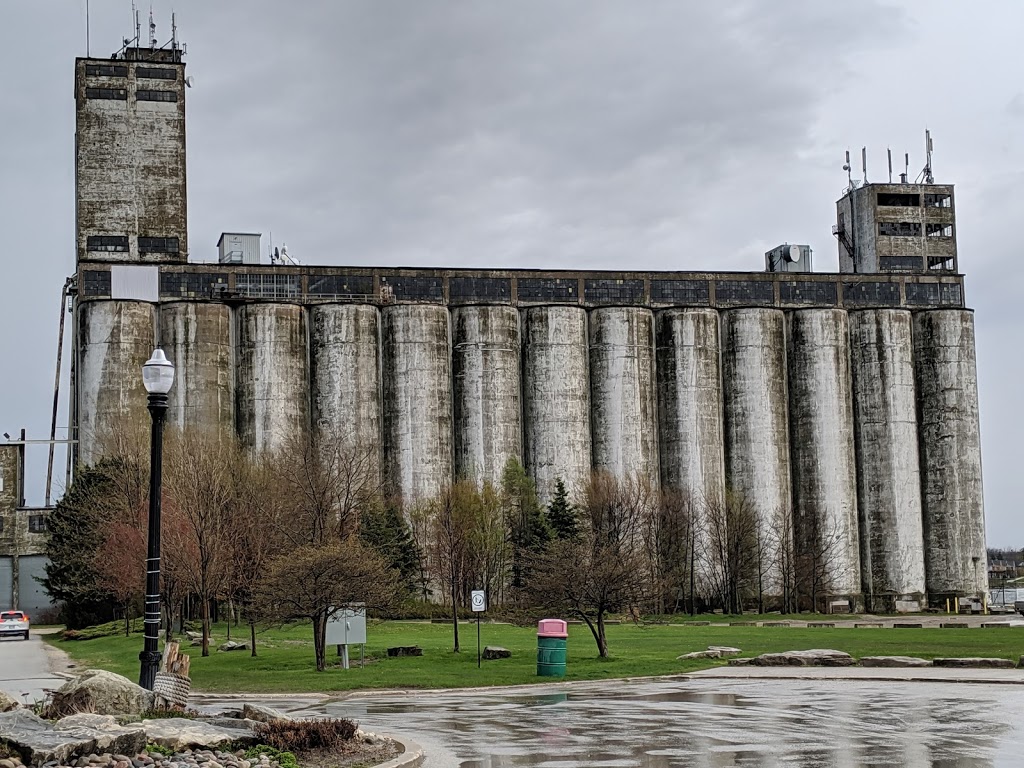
(552, 628)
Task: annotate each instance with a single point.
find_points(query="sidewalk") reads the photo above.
(897, 674)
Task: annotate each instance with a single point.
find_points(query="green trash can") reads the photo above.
(552, 637)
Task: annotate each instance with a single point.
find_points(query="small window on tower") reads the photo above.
(156, 73)
(114, 94)
(107, 243)
(939, 230)
(158, 245)
(899, 228)
(168, 96)
(906, 200)
(938, 201)
(37, 523)
(106, 70)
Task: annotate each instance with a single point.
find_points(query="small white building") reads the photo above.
(239, 248)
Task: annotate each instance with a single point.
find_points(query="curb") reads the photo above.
(412, 754)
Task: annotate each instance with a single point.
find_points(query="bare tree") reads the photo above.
(671, 543)
(315, 582)
(201, 481)
(820, 560)
(603, 569)
(730, 548)
(454, 516)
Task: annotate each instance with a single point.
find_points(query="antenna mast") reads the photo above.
(88, 51)
(152, 31)
(928, 177)
(864, 162)
(889, 151)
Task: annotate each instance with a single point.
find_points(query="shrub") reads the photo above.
(110, 629)
(284, 759)
(156, 749)
(305, 735)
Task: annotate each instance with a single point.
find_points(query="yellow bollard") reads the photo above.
(984, 604)
(947, 605)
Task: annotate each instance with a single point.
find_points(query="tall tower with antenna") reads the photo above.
(909, 227)
(130, 152)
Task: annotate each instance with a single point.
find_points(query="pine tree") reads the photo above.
(562, 515)
(528, 527)
(385, 530)
(75, 531)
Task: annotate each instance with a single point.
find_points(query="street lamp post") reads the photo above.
(157, 377)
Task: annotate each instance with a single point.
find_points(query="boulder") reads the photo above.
(741, 662)
(102, 693)
(894, 661)
(405, 650)
(110, 736)
(492, 652)
(725, 650)
(8, 702)
(179, 733)
(975, 663)
(817, 657)
(262, 714)
(232, 645)
(39, 742)
(700, 655)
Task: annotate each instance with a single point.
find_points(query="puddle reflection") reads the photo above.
(711, 724)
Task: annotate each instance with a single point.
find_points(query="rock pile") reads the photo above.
(188, 758)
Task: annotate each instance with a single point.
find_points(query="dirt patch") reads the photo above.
(355, 754)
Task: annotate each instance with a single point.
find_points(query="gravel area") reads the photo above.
(354, 754)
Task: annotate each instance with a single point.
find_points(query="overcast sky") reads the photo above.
(558, 134)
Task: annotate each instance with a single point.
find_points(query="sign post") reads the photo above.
(479, 603)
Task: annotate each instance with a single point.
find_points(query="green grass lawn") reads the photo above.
(285, 660)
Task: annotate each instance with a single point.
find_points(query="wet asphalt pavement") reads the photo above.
(708, 723)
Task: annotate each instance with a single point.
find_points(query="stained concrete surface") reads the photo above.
(821, 723)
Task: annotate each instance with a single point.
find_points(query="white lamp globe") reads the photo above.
(158, 373)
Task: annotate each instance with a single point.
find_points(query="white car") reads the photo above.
(14, 624)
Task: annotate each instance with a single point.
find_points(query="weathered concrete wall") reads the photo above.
(825, 528)
(955, 557)
(417, 401)
(623, 417)
(486, 377)
(556, 398)
(115, 339)
(690, 403)
(272, 384)
(344, 346)
(756, 427)
(130, 162)
(197, 339)
(888, 476)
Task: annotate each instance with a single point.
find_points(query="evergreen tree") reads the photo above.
(562, 515)
(384, 529)
(75, 533)
(528, 527)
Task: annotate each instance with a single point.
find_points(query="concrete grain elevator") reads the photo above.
(845, 404)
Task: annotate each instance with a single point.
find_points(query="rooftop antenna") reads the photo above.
(864, 162)
(152, 30)
(928, 177)
(906, 168)
(138, 26)
(88, 51)
(847, 167)
(889, 151)
(174, 32)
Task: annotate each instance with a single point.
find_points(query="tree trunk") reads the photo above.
(455, 620)
(206, 627)
(602, 641)
(320, 640)
(252, 637)
(127, 621)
